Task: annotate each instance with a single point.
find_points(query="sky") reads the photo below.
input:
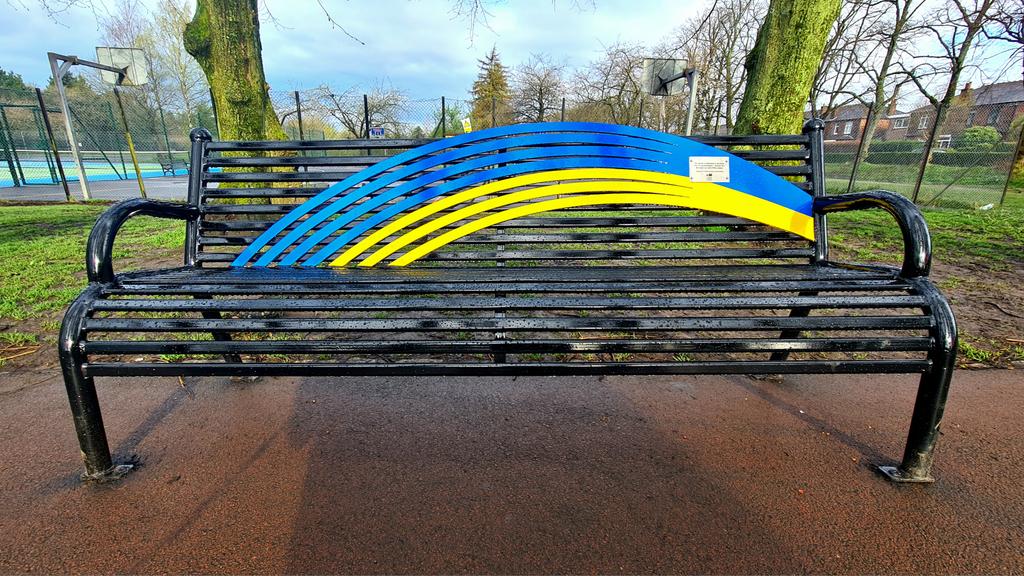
(418, 46)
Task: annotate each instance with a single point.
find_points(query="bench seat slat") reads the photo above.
(710, 323)
(509, 303)
(734, 345)
(483, 288)
(489, 369)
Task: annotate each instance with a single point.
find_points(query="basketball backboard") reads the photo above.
(658, 70)
(132, 60)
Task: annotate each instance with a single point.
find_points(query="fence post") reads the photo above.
(7, 146)
(298, 113)
(131, 147)
(53, 145)
(932, 134)
(167, 140)
(120, 153)
(640, 116)
(861, 149)
(1013, 163)
(366, 121)
(562, 116)
(41, 142)
(444, 120)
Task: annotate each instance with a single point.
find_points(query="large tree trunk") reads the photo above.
(224, 37)
(782, 65)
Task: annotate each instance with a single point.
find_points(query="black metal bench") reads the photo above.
(563, 278)
(170, 166)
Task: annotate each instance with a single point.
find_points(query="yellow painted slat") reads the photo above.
(512, 198)
(739, 204)
(548, 176)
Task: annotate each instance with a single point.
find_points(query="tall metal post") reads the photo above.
(167, 140)
(120, 153)
(693, 100)
(53, 145)
(131, 146)
(562, 116)
(444, 119)
(298, 114)
(7, 145)
(41, 134)
(1013, 163)
(366, 121)
(58, 71)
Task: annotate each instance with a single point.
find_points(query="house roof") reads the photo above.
(1001, 93)
(850, 112)
(847, 112)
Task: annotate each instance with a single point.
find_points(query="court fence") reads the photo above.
(970, 165)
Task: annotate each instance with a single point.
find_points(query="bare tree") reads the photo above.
(188, 87)
(537, 88)
(956, 27)
(608, 89)
(891, 34)
(384, 106)
(837, 80)
(717, 42)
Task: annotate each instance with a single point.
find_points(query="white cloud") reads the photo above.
(416, 45)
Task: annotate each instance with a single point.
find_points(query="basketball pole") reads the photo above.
(58, 71)
(128, 140)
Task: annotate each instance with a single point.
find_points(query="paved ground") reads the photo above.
(711, 475)
(164, 188)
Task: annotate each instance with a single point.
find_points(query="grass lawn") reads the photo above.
(978, 256)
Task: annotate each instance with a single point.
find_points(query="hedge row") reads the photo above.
(941, 158)
(970, 158)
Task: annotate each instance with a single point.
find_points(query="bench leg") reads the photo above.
(792, 333)
(85, 406)
(931, 396)
(217, 335)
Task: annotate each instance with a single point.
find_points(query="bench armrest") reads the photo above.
(100, 248)
(917, 242)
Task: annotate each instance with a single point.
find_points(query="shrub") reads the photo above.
(978, 138)
(896, 146)
(839, 157)
(965, 158)
(902, 158)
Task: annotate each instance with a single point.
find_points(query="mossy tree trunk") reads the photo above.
(224, 37)
(782, 65)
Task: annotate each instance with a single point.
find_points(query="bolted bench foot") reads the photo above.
(114, 473)
(898, 475)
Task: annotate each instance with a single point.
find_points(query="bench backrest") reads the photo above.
(557, 193)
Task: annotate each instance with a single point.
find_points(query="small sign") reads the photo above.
(709, 168)
(467, 125)
(376, 132)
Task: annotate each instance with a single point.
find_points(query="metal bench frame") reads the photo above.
(76, 347)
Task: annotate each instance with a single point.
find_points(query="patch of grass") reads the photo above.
(43, 267)
(990, 238)
(974, 353)
(17, 338)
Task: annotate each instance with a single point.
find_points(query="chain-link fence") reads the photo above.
(969, 165)
(36, 159)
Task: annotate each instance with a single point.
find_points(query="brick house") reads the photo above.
(995, 105)
(844, 125)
